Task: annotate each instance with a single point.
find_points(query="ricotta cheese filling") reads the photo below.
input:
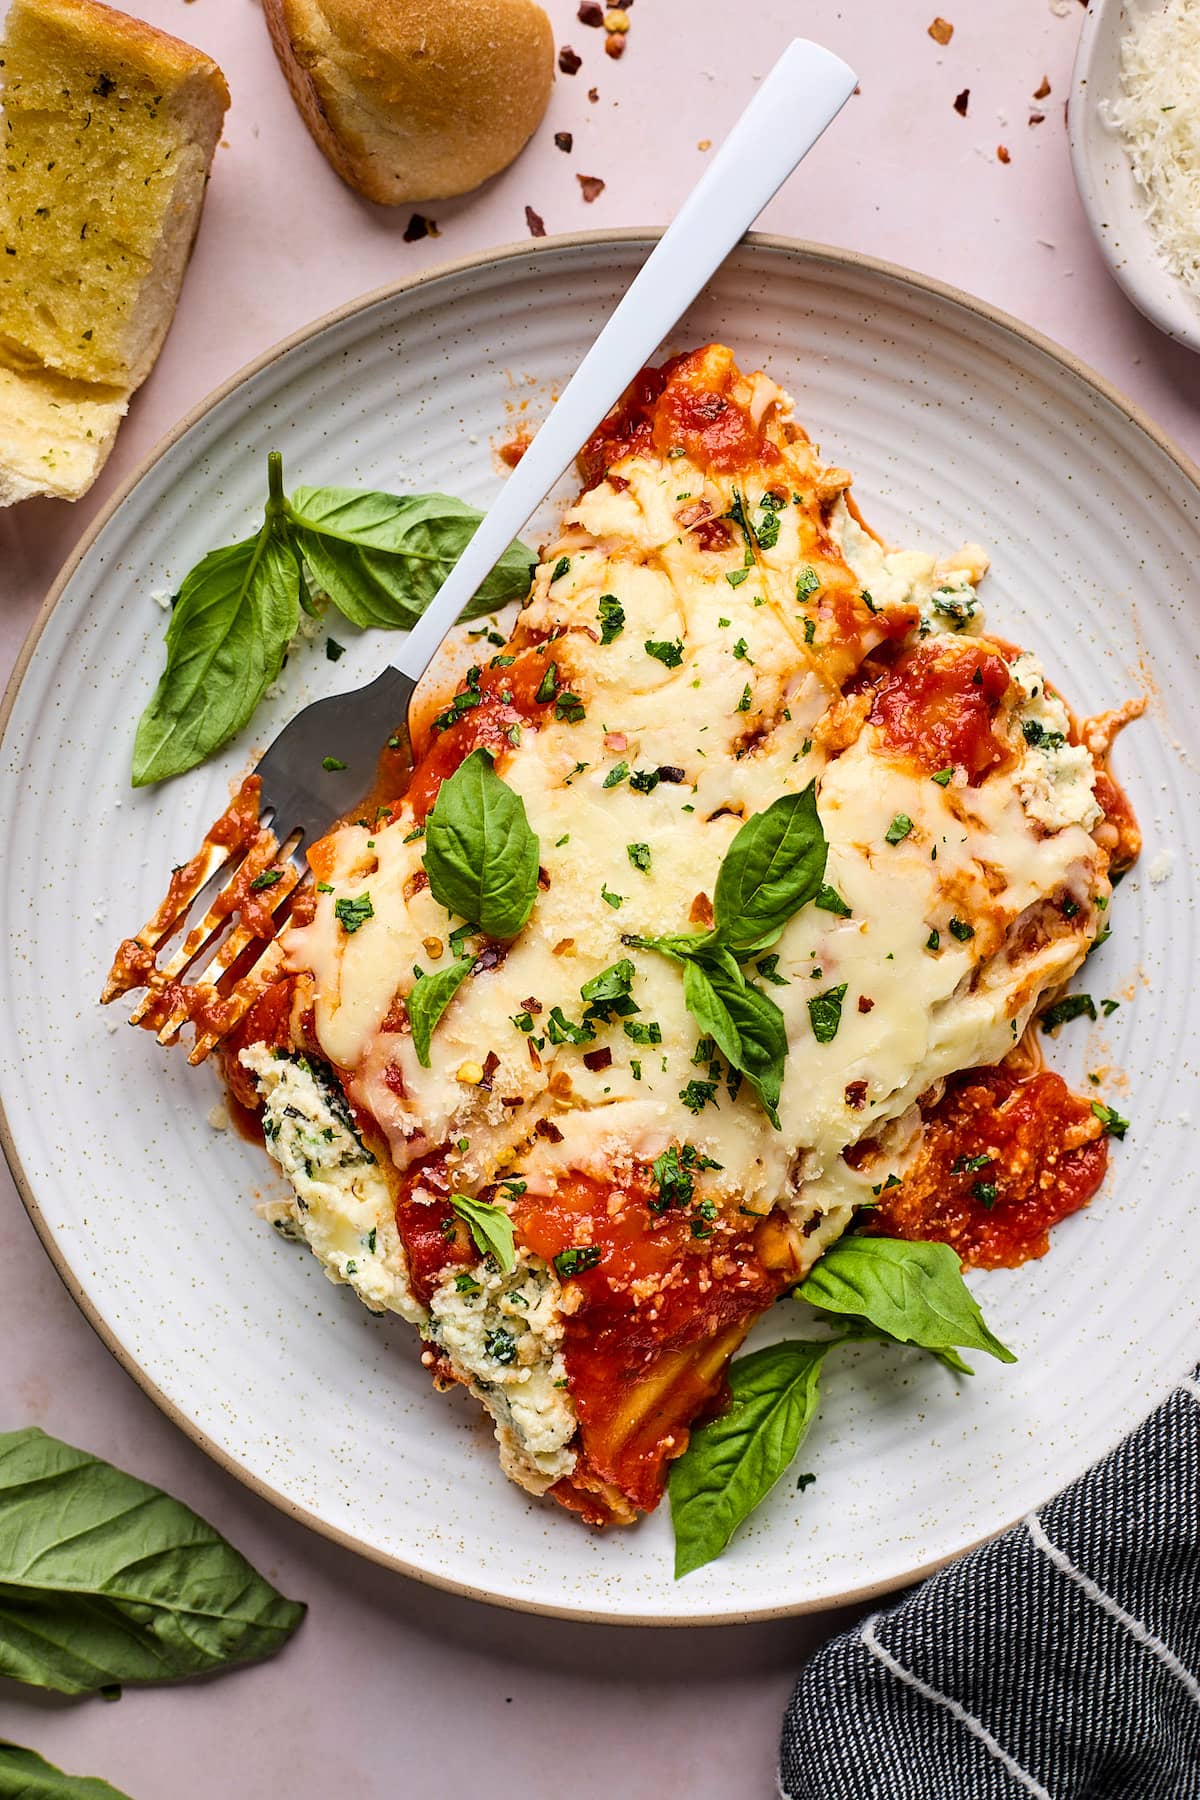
(500, 1333)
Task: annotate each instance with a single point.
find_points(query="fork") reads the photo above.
(295, 785)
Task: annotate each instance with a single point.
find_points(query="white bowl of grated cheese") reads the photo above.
(1134, 132)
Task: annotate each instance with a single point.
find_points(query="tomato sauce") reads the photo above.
(688, 404)
(1004, 1158)
(939, 706)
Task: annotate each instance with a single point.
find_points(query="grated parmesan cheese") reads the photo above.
(1159, 117)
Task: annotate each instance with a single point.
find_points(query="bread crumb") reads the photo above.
(591, 187)
(614, 44)
(960, 102)
(565, 140)
(1160, 868)
(1042, 89)
(218, 1116)
(616, 19)
(1036, 118)
(568, 61)
(594, 95)
(941, 31)
(704, 144)
(590, 13)
(1002, 153)
(535, 222)
(161, 598)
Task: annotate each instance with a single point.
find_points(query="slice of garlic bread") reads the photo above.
(109, 130)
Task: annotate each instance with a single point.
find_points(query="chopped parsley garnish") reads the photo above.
(1108, 1007)
(324, 887)
(548, 686)
(570, 708)
(669, 653)
(743, 704)
(807, 582)
(332, 763)
(768, 968)
(674, 1174)
(575, 1260)
(698, 1094)
(735, 577)
(766, 529)
(810, 631)
(970, 1165)
(333, 650)
(267, 879)
(825, 1013)
(1113, 1123)
(961, 930)
(560, 1030)
(830, 901)
(643, 1031)
(560, 567)
(465, 1283)
(985, 1192)
(1071, 1006)
(639, 856)
(616, 775)
(353, 913)
(944, 776)
(899, 829)
(868, 602)
(612, 618)
(742, 653)
(609, 898)
(644, 781)
(934, 940)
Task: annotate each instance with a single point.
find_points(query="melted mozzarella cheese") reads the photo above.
(746, 715)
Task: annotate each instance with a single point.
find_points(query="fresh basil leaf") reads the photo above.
(428, 999)
(490, 1228)
(913, 1291)
(774, 866)
(104, 1579)
(863, 1329)
(732, 1463)
(480, 854)
(24, 1775)
(236, 611)
(381, 558)
(747, 1026)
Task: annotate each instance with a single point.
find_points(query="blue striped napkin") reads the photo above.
(1060, 1661)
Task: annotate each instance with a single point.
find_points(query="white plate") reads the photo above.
(1114, 203)
(959, 425)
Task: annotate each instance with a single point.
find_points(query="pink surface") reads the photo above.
(390, 1687)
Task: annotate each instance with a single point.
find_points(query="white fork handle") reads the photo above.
(804, 92)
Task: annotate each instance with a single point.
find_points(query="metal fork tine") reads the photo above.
(227, 951)
(253, 982)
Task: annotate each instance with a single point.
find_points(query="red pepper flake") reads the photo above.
(594, 95)
(546, 1128)
(491, 1063)
(941, 31)
(960, 102)
(564, 140)
(595, 1060)
(1002, 153)
(865, 1005)
(568, 61)
(856, 1094)
(590, 13)
(1043, 88)
(614, 44)
(535, 222)
(420, 227)
(591, 187)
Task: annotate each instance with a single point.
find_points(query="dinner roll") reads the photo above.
(416, 99)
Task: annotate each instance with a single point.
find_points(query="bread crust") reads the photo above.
(147, 49)
(415, 99)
